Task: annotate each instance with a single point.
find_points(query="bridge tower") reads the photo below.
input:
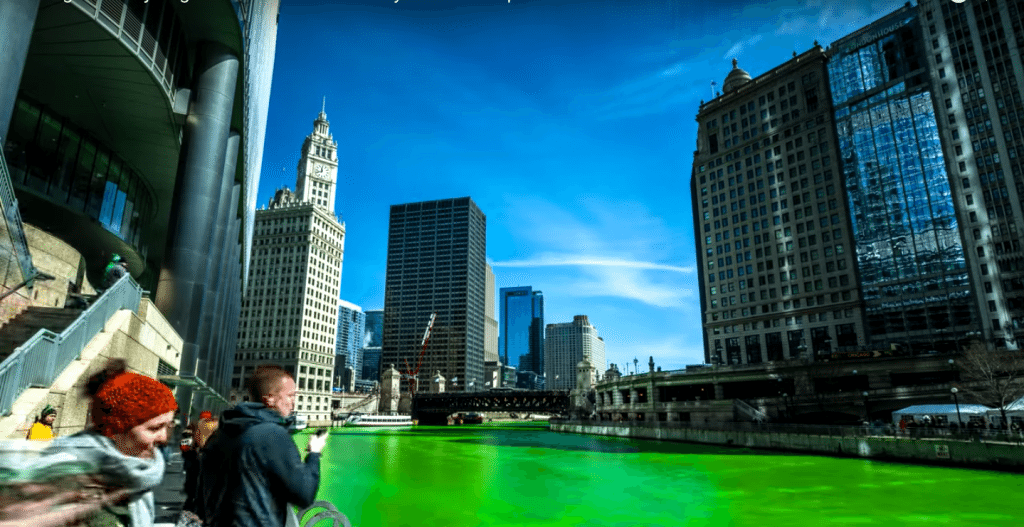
(582, 397)
(390, 390)
(437, 383)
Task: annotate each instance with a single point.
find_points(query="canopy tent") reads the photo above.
(949, 411)
(1014, 411)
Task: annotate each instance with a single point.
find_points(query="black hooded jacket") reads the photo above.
(252, 470)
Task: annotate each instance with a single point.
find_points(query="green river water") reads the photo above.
(497, 475)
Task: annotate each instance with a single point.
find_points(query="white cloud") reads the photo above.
(738, 47)
(573, 260)
(600, 249)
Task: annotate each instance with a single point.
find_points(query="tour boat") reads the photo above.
(379, 420)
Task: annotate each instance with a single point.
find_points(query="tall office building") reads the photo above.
(566, 345)
(374, 330)
(521, 335)
(155, 159)
(351, 327)
(490, 321)
(369, 353)
(290, 312)
(973, 50)
(906, 236)
(778, 278)
(436, 264)
(371, 363)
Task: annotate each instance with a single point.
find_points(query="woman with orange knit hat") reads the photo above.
(131, 415)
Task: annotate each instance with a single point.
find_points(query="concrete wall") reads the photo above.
(999, 456)
(51, 256)
(142, 340)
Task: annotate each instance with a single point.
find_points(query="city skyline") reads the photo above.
(571, 125)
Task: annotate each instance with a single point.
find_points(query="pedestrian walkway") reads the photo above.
(169, 496)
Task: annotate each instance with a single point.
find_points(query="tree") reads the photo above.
(993, 377)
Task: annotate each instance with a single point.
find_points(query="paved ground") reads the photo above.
(169, 496)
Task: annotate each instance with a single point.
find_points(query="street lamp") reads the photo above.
(956, 401)
(867, 413)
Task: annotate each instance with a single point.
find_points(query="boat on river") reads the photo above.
(379, 421)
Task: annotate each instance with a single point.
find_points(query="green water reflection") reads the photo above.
(525, 475)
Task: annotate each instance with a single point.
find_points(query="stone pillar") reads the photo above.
(719, 391)
(17, 20)
(182, 286)
(632, 399)
(390, 390)
(437, 383)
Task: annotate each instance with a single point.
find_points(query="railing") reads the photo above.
(12, 222)
(750, 410)
(871, 430)
(39, 361)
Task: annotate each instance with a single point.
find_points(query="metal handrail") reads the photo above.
(39, 361)
(12, 216)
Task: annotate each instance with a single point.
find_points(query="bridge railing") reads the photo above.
(872, 430)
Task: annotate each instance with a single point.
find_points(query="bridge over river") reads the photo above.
(434, 408)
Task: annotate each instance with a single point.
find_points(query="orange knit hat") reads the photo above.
(128, 400)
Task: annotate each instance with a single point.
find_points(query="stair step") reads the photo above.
(21, 328)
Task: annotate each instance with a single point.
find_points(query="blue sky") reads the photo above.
(569, 123)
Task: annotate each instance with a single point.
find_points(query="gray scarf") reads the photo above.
(121, 471)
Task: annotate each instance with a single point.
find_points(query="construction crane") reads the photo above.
(412, 374)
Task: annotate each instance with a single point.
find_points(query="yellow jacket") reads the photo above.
(40, 432)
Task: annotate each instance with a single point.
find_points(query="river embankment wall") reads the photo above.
(933, 451)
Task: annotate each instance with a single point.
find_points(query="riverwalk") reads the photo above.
(996, 451)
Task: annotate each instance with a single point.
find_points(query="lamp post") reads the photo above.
(952, 370)
(956, 401)
(867, 412)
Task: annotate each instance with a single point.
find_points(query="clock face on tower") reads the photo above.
(320, 170)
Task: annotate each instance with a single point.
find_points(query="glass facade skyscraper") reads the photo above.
(521, 336)
(351, 325)
(913, 272)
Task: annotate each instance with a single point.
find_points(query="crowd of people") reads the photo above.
(241, 469)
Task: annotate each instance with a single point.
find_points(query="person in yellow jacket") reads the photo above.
(42, 429)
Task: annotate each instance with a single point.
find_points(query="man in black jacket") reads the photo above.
(251, 468)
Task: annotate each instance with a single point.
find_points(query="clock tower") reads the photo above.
(318, 166)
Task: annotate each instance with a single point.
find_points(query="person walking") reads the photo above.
(117, 268)
(251, 471)
(131, 414)
(42, 429)
(200, 432)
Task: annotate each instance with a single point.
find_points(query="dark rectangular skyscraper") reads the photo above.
(521, 338)
(436, 264)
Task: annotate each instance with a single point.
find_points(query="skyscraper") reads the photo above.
(290, 312)
(436, 264)
(566, 345)
(773, 234)
(906, 237)
(973, 50)
(374, 332)
(521, 335)
(370, 351)
(490, 322)
(351, 326)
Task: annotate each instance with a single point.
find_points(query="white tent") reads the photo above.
(1014, 411)
(948, 411)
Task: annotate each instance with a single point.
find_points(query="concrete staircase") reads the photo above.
(22, 327)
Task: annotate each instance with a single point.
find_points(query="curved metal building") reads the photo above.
(136, 127)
